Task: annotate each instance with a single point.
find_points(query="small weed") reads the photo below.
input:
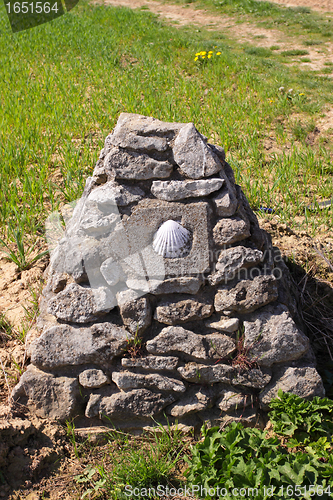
(305, 59)
(22, 257)
(275, 47)
(134, 345)
(242, 359)
(6, 330)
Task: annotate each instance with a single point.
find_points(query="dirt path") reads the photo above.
(245, 32)
(321, 5)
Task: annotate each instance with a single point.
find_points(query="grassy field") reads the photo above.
(65, 83)
(63, 87)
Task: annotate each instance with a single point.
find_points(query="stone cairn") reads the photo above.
(165, 301)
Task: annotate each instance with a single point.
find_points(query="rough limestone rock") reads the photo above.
(153, 363)
(177, 340)
(182, 310)
(128, 337)
(179, 190)
(57, 398)
(185, 284)
(93, 378)
(120, 164)
(233, 400)
(128, 380)
(231, 261)
(194, 157)
(110, 195)
(79, 304)
(230, 230)
(138, 402)
(247, 295)
(136, 314)
(64, 345)
(273, 337)
(195, 400)
(228, 325)
(302, 381)
(211, 374)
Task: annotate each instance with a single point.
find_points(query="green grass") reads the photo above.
(301, 20)
(65, 83)
(294, 52)
(297, 453)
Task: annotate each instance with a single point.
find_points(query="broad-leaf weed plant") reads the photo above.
(248, 459)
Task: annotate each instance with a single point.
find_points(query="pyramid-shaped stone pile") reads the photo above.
(164, 298)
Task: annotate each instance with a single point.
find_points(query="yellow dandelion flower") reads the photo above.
(198, 54)
(203, 57)
(218, 53)
(203, 53)
(302, 93)
(210, 52)
(209, 56)
(196, 58)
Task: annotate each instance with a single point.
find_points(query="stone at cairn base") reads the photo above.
(127, 334)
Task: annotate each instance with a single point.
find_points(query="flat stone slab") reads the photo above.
(64, 345)
(128, 380)
(247, 295)
(231, 261)
(147, 218)
(139, 142)
(273, 337)
(180, 190)
(46, 395)
(184, 309)
(176, 340)
(302, 381)
(154, 363)
(194, 157)
(93, 378)
(124, 405)
(185, 284)
(212, 374)
(145, 126)
(132, 165)
(80, 304)
(230, 230)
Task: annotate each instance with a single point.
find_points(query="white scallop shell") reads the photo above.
(171, 240)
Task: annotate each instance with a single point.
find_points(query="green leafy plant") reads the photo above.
(306, 423)
(247, 459)
(23, 256)
(87, 479)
